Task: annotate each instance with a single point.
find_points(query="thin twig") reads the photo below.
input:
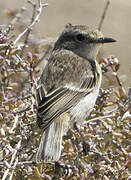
(15, 123)
(1, 86)
(4, 45)
(12, 159)
(27, 163)
(22, 111)
(117, 78)
(100, 118)
(94, 150)
(104, 14)
(13, 168)
(39, 10)
(21, 61)
(29, 30)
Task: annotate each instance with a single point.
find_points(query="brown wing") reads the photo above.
(55, 98)
(56, 103)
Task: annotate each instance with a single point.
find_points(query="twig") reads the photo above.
(100, 118)
(31, 75)
(33, 23)
(29, 30)
(12, 159)
(117, 78)
(3, 25)
(13, 168)
(103, 14)
(5, 163)
(1, 83)
(22, 111)
(23, 98)
(27, 163)
(101, 155)
(1, 86)
(21, 62)
(119, 146)
(15, 123)
(4, 45)
(28, 69)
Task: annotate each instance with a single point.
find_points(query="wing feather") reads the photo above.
(57, 103)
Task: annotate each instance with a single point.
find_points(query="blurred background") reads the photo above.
(117, 23)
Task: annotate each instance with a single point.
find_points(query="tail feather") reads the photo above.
(51, 143)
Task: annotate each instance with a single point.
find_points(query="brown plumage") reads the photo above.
(69, 86)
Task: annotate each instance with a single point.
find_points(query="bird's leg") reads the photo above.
(61, 170)
(86, 144)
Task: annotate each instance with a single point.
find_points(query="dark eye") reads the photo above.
(80, 37)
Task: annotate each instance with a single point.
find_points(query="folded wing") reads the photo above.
(56, 103)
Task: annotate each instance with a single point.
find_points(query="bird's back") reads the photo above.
(65, 68)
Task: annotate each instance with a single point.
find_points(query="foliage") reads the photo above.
(99, 149)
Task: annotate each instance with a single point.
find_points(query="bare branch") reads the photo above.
(21, 61)
(39, 11)
(104, 14)
(100, 118)
(29, 30)
(4, 45)
(12, 159)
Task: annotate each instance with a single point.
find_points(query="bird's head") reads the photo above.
(82, 40)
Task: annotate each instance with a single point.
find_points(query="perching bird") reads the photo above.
(69, 87)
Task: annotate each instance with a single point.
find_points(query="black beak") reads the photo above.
(105, 40)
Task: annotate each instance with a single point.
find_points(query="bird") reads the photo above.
(68, 87)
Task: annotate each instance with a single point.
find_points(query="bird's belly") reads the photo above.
(83, 108)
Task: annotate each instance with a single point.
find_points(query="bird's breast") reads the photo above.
(81, 110)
